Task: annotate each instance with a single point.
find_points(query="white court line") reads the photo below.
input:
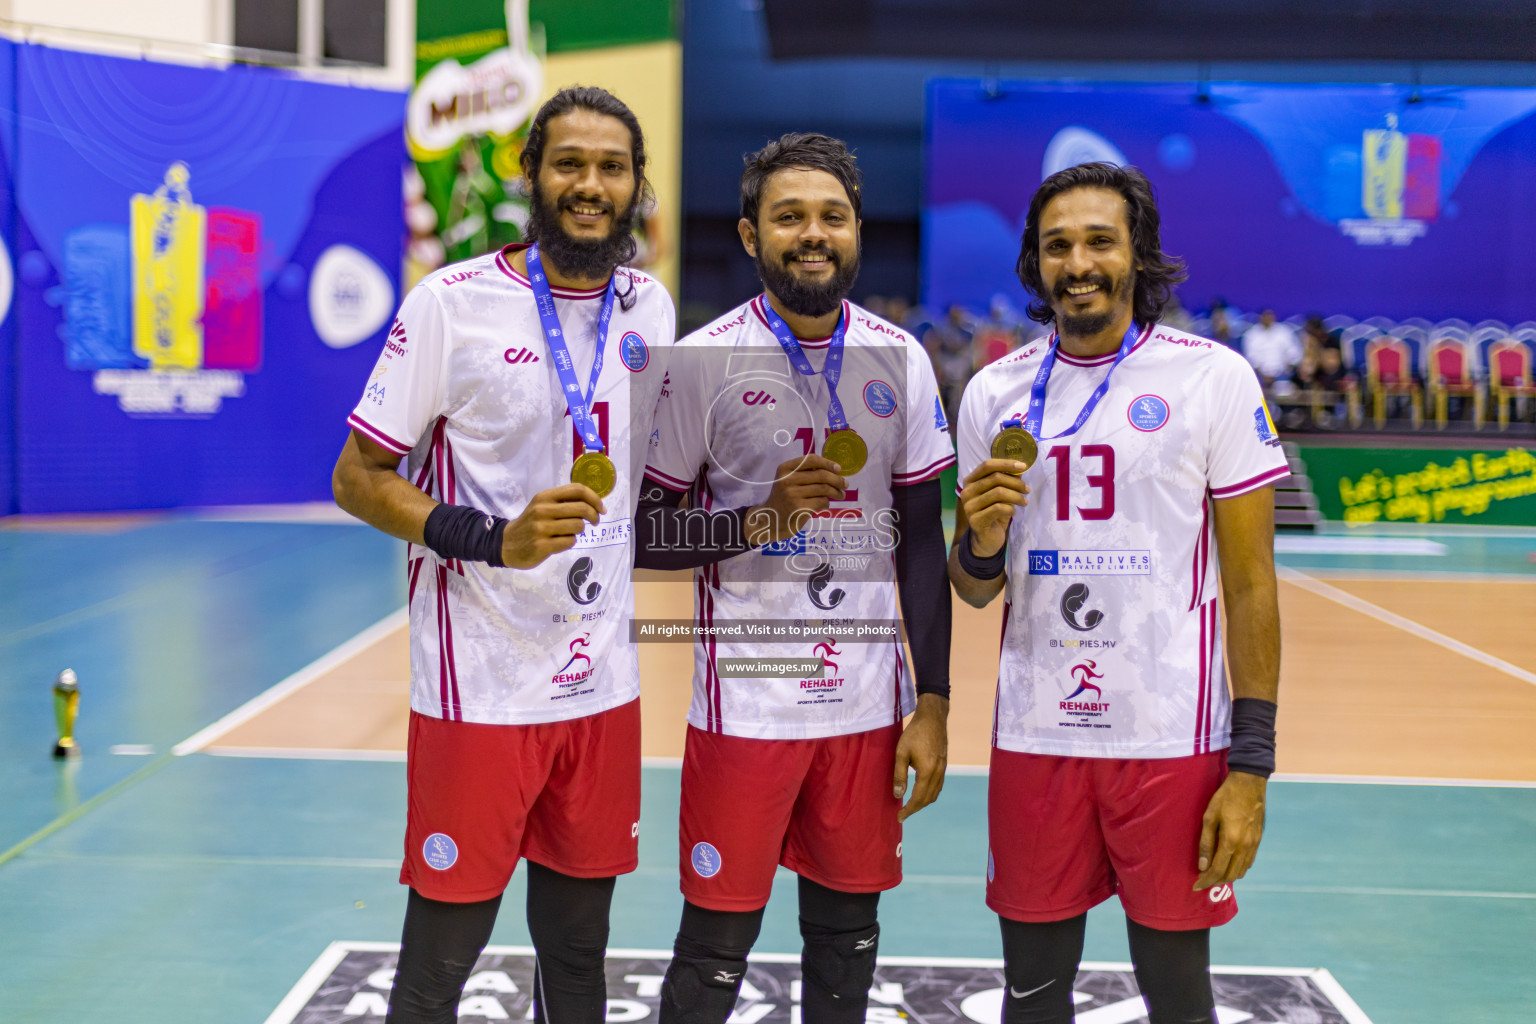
(1401, 780)
(1334, 545)
(309, 753)
(1407, 625)
(303, 677)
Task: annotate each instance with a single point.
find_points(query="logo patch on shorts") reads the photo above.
(991, 867)
(706, 860)
(1221, 892)
(440, 852)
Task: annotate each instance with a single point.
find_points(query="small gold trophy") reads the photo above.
(66, 707)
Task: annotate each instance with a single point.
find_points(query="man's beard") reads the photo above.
(808, 298)
(581, 258)
(1082, 325)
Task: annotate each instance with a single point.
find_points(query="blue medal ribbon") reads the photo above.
(831, 371)
(579, 404)
(1036, 413)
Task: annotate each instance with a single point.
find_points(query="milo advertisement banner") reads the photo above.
(1490, 486)
(483, 67)
(478, 83)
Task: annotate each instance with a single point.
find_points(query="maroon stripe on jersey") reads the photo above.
(505, 266)
(1200, 695)
(414, 574)
(671, 482)
(1197, 561)
(757, 307)
(1107, 358)
(442, 646)
(451, 487)
(917, 476)
(1252, 483)
(378, 436)
(1212, 654)
(1001, 640)
(448, 674)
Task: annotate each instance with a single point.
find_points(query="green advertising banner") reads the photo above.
(480, 74)
(1421, 485)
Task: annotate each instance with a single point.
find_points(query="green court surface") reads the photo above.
(156, 888)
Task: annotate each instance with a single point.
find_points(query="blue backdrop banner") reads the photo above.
(1360, 200)
(206, 261)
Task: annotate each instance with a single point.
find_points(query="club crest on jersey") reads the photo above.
(440, 851)
(706, 860)
(1147, 413)
(633, 351)
(879, 398)
(1265, 427)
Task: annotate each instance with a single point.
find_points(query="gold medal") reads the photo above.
(596, 471)
(847, 449)
(1015, 443)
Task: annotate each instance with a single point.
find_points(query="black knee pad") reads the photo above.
(841, 963)
(700, 991)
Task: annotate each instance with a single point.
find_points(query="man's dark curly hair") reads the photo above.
(799, 149)
(1156, 273)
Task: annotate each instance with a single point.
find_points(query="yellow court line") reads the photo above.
(1408, 625)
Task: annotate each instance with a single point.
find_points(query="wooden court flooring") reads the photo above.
(1414, 678)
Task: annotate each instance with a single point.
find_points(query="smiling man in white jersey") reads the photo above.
(1110, 769)
(519, 388)
(804, 770)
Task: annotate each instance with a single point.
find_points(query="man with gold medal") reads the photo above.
(518, 389)
(803, 767)
(1122, 763)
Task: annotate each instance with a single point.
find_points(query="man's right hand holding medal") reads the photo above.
(801, 488)
(988, 497)
(550, 524)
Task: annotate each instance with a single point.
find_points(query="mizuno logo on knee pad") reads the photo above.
(865, 943)
(726, 976)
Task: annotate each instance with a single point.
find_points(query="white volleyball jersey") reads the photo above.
(466, 388)
(734, 409)
(1111, 638)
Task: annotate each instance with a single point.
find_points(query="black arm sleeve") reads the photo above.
(668, 537)
(923, 578)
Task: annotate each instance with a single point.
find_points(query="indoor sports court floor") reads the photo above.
(240, 801)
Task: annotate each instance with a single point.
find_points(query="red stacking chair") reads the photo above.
(1389, 371)
(1450, 373)
(1509, 375)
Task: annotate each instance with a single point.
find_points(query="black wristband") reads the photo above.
(989, 568)
(1253, 737)
(458, 531)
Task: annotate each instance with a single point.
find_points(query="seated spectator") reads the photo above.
(1319, 381)
(1314, 335)
(1221, 322)
(1176, 316)
(1271, 348)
